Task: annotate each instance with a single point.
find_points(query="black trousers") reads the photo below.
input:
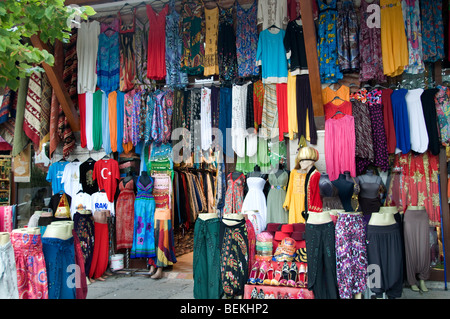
(385, 258)
(321, 255)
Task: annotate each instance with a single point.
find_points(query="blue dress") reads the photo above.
(144, 220)
(401, 122)
(327, 46)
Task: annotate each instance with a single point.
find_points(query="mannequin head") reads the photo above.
(306, 157)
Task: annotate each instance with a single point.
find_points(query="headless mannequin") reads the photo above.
(232, 219)
(325, 185)
(280, 170)
(371, 178)
(256, 172)
(58, 230)
(144, 178)
(206, 216)
(382, 218)
(346, 189)
(4, 238)
(318, 218)
(28, 230)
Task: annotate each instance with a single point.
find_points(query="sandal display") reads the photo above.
(253, 273)
(269, 275)
(277, 276)
(262, 273)
(292, 275)
(285, 274)
(301, 283)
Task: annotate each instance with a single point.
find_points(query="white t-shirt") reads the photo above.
(71, 178)
(100, 201)
(80, 201)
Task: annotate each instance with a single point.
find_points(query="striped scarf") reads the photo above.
(31, 124)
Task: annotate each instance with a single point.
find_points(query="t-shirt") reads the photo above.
(88, 183)
(54, 176)
(71, 178)
(107, 174)
(80, 202)
(100, 201)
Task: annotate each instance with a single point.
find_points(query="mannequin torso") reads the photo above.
(4, 238)
(318, 218)
(60, 231)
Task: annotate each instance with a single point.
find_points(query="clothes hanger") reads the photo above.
(338, 112)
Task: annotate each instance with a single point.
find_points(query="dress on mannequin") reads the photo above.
(369, 196)
(254, 204)
(346, 190)
(8, 280)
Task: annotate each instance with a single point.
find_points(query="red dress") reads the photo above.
(156, 53)
(125, 215)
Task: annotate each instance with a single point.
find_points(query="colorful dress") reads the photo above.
(156, 54)
(226, 45)
(144, 211)
(246, 39)
(432, 30)
(411, 15)
(442, 100)
(327, 46)
(108, 61)
(84, 227)
(371, 61)
(174, 47)
(347, 31)
(127, 53)
(192, 26)
(125, 215)
(234, 196)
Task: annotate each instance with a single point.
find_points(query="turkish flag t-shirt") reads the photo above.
(107, 174)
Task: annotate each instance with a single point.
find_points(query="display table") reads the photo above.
(295, 293)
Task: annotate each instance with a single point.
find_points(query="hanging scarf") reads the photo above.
(32, 114)
(46, 102)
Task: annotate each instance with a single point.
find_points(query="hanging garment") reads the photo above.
(108, 61)
(294, 43)
(112, 119)
(381, 159)
(156, 58)
(418, 129)
(125, 215)
(8, 280)
(83, 224)
(59, 254)
(89, 120)
(246, 39)
(120, 120)
(205, 117)
(55, 174)
(234, 252)
(363, 126)
(432, 30)
(283, 126)
(80, 203)
(238, 118)
(140, 52)
(371, 59)
(384, 250)
(276, 197)
(106, 135)
(413, 29)
(127, 49)
(321, 260)
(340, 146)
(292, 105)
(87, 50)
(71, 178)
(144, 210)
(271, 12)
(206, 259)
(131, 118)
(32, 112)
(430, 115)
(211, 38)
(191, 28)
(32, 280)
(88, 184)
(388, 120)
(60, 205)
(82, 110)
(174, 48)
(80, 276)
(351, 255)
(226, 45)
(255, 203)
(305, 110)
(442, 99)
(225, 120)
(271, 56)
(106, 172)
(401, 122)
(394, 44)
(327, 45)
(258, 101)
(101, 202)
(347, 37)
(97, 131)
(269, 118)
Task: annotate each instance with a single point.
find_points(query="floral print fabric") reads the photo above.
(442, 100)
(226, 45)
(411, 15)
(234, 196)
(246, 39)
(432, 30)
(347, 30)
(327, 45)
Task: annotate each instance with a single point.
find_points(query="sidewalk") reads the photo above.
(177, 283)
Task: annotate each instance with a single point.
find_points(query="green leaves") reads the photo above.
(19, 20)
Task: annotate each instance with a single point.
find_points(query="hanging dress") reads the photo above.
(192, 26)
(144, 211)
(211, 34)
(432, 30)
(275, 199)
(413, 28)
(347, 31)
(246, 39)
(226, 45)
(327, 45)
(125, 214)
(127, 53)
(371, 61)
(84, 227)
(156, 54)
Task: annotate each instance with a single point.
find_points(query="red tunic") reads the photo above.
(156, 53)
